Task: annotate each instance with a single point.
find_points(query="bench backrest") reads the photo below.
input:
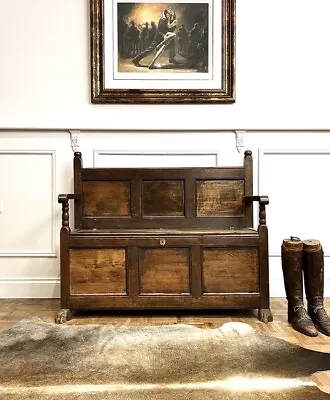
(173, 198)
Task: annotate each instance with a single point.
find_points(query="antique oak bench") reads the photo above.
(163, 238)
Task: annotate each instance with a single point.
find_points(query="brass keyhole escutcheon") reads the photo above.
(162, 242)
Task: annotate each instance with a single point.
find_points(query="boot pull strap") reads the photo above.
(294, 238)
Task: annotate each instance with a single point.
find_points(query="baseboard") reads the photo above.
(29, 288)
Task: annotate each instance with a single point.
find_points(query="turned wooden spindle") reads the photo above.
(65, 214)
(262, 214)
(263, 201)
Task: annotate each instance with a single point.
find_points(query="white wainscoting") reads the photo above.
(36, 166)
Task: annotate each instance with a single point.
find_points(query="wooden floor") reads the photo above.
(12, 311)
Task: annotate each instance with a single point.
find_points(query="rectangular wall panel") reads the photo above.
(27, 195)
(296, 182)
(145, 159)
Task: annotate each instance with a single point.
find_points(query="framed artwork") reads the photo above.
(181, 51)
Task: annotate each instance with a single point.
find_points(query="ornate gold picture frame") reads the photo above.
(155, 52)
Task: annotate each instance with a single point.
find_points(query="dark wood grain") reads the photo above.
(65, 267)
(220, 198)
(107, 174)
(248, 181)
(170, 302)
(107, 199)
(163, 198)
(98, 271)
(163, 222)
(77, 181)
(164, 271)
(230, 270)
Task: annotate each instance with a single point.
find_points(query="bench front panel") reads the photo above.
(164, 271)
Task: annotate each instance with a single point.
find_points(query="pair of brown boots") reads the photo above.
(305, 259)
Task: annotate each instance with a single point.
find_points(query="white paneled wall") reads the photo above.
(290, 167)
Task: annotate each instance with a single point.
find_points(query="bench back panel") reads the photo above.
(122, 198)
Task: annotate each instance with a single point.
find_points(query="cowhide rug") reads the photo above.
(39, 360)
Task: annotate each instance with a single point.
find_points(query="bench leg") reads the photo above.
(265, 315)
(62, 316)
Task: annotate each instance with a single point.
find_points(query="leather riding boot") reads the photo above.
(292, 259)
(313, 266)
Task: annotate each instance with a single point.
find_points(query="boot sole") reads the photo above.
(306, 333)
(310, 334)
(323, 331)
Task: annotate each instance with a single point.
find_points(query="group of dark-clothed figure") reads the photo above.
(133, 39)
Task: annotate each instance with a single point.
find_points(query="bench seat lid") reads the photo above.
(162, 231)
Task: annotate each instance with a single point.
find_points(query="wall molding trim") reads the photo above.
(24, 254)
(162, 130)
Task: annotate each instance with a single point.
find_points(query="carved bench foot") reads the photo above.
(62, 316)
(265, 315)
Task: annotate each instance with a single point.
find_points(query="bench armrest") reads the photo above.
(64, 200)
(263, 201)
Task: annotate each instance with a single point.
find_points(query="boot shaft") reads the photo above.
(292, 259)
(292, 266)
(313, 267)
